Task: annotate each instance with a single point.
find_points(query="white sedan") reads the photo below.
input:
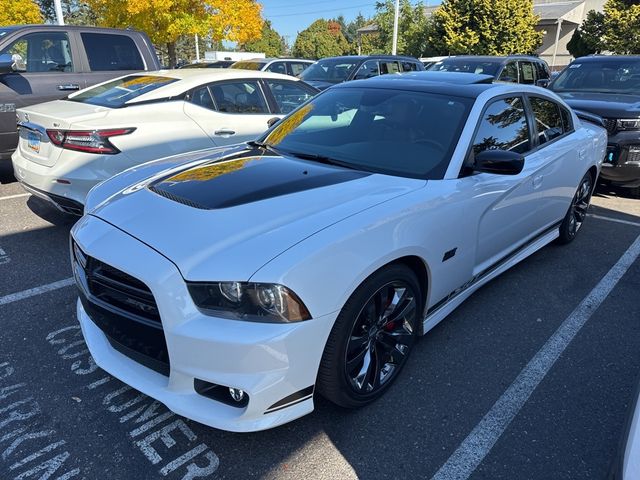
(68, 146)
(233, 285)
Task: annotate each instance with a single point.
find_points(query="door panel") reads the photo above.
(230, 112)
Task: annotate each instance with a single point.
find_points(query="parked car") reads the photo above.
(512, 68)
(609, 86)
(39, 63)
(310, 260)
(428, 61)
(285, 66)
(67, 146)
(626, 463)
(214, 64)
(333, 70)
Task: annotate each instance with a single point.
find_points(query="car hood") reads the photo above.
(608, 105)
(319, 84)
(225, 217)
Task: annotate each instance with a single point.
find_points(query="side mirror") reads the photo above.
(6, 63)
(500, 162)
(542, 82)
(272, 121)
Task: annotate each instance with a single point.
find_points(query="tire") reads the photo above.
(366, 325)
(577, 212)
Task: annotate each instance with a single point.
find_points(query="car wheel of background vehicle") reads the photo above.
(372, 338)
(577, 211)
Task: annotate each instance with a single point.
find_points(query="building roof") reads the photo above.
(551, 12)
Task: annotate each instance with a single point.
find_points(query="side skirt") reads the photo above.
(439, 311)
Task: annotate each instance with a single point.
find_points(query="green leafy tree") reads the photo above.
(412, 28)
(622, 26)
(14, 12)
(484, 27)
(588, 39)
(321, 39)
(271, 43)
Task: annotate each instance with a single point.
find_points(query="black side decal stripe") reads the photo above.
(292, 399)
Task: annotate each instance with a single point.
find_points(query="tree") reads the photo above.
(15, 12)
(622, 26)
(588, 39)
(321, 39)
(271, 43)
(484, 27)
(165, 21)
(412, 28)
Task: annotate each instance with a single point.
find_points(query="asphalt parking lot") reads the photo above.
(530, 378)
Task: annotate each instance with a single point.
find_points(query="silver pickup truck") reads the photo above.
(39, 63)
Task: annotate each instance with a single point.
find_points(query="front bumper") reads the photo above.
(272, 363)
(622, 164)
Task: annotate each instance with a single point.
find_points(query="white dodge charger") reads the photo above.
(232, 285)
(68, 146)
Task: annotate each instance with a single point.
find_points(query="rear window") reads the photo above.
(248, 65)
(117, 93)
(109, 52)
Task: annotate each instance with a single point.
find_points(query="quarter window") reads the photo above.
(41, 52)
(503, 127)
(409, 66)
(567, 121)
(288, 95)
(548, 119)
(239, 97)
(202, 97)
(109, 52)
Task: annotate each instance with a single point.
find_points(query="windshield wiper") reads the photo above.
(317, 158)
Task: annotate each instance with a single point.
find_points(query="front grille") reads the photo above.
(611, 124)
(124, 308)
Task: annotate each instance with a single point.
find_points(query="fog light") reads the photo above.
(236, 394)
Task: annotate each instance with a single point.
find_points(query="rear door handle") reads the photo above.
(69, 86)
(223, 132)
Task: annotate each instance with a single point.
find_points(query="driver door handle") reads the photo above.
(224, 132)
(69, 86)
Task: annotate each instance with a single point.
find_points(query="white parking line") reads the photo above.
(9, 197)
(617, 220)
(32, 292)
(472, 451)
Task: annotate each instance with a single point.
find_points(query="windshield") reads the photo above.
(466, 65)
(117, 93)
(614, 76)
(333, 70)
(248, 65)
(403, 133)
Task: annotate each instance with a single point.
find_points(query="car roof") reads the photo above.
(194, 77)
(605, 58)
(274, 59)
(366, 57)
(459, 78)
(415, 84)
(488, 58)
(66, 27)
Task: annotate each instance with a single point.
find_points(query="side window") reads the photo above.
(239, 97)
(509, 73)
(202, 97)
(389, 67)
(41, 52)
(288, 95)
(548, 119)
(368, 69)
(409, 66)
(109, 52)
(567, 121)
(277, 67)
(527, 75)
(503, 127)
(542, 70)
(296, 68)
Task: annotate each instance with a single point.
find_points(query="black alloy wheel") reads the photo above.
(577, 212)
(372, 338)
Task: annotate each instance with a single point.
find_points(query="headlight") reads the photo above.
(628, 124)
(255, 302)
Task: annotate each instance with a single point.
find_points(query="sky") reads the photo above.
(288, 17)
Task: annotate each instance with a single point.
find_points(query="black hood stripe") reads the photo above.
(247, 179)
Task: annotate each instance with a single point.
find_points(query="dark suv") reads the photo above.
(609, 86)
(332, 70)
(39, 63)
(512, 68)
